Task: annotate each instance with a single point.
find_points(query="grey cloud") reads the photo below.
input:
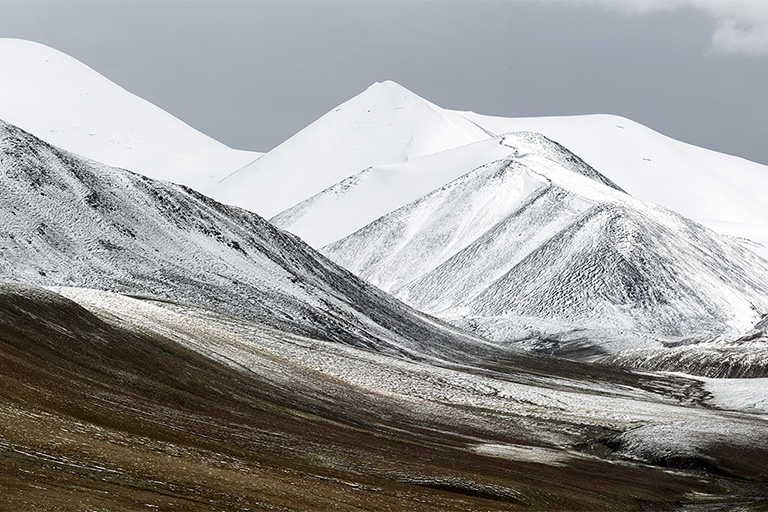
(741, 26)
(733, 37)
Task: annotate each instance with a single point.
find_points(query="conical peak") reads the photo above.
(390, 93)
(387, 85)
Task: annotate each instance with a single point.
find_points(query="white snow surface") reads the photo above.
(383, 125)
(749, 395)
(364, 197)
(725, 193)
(66, 103)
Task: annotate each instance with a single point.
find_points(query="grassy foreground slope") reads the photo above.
(98, 415)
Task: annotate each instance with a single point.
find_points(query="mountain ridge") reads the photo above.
(561, 246)
(659, 169)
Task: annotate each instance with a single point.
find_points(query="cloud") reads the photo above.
(741, 26)
(733, 36)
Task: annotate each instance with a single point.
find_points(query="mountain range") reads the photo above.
(714, 189)
(163, 346)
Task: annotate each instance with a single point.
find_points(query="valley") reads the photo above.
(401, 307)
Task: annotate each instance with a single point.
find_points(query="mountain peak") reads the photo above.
(386, 87)
(385, 124)
(390, 98)
(387, 84)
(66, 103)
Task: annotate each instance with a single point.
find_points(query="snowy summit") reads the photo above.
(68, 104)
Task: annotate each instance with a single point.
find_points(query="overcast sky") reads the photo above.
(252, 73)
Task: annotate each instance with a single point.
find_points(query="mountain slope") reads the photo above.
(70, 222)
(67, 104)
(723, 192)
(364, 197)
(717, 190)
(744, 356)
(384, 124)
(534, 238)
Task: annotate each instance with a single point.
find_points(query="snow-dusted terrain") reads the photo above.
(730, 357)
(69, 105)
(111, 401)
(376, 191)
(71, 222)
(553, 397)
(540, 238)
(383, 125)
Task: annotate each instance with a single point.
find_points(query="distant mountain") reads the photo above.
(69, 105)
(542, 242)
(384, 124)
(71, 222)
(723, 192)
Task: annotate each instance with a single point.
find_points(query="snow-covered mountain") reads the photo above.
(69, 105)
(71, 222)
(384, 124)
(723, 192)
(364, 197)
(541, 241)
